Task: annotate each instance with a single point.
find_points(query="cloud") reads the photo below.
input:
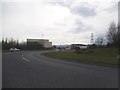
(80, 27)
(63, 3)
(112, 8)
(119, 13)
(83, 9)
(0, 21)
(58, 20)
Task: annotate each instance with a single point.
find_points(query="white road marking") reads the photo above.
(25, 59)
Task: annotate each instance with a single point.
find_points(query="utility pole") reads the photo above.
(92, 38)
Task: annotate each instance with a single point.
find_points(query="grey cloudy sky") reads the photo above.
(61, 21)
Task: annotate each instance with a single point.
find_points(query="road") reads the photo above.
(29, 69)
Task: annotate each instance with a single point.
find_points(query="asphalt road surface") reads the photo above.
(29, 69)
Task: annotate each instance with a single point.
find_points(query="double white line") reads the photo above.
(25, 59)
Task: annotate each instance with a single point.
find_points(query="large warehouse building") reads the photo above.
(44, 42)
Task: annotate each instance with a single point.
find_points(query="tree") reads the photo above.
(112, 34)
(17, 42)
(118, 35)
(99, 41)
(3, 41)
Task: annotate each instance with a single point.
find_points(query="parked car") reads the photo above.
(14, 49)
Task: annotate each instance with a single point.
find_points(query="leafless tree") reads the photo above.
(99, 41)
(118, 35)
(112, 34)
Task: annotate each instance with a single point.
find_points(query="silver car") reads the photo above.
(14, 49)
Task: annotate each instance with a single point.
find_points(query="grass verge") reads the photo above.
(100, 56)
(5, 52)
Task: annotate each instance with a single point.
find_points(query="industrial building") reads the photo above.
(81, 46)
(44, 42)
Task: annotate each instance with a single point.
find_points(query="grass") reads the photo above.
(4, 52)
(100, 56)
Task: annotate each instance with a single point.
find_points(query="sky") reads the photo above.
(60, 21)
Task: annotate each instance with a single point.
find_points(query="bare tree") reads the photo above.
(112, 34)
(99, 41)
(118, 35)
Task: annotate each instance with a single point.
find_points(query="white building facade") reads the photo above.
(44, 42)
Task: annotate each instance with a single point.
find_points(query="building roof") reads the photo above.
(37, 39)
(79, 44)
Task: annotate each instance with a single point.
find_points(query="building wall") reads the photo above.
(44, 42)
(81, 46)
(37, 40)
(48, 44)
